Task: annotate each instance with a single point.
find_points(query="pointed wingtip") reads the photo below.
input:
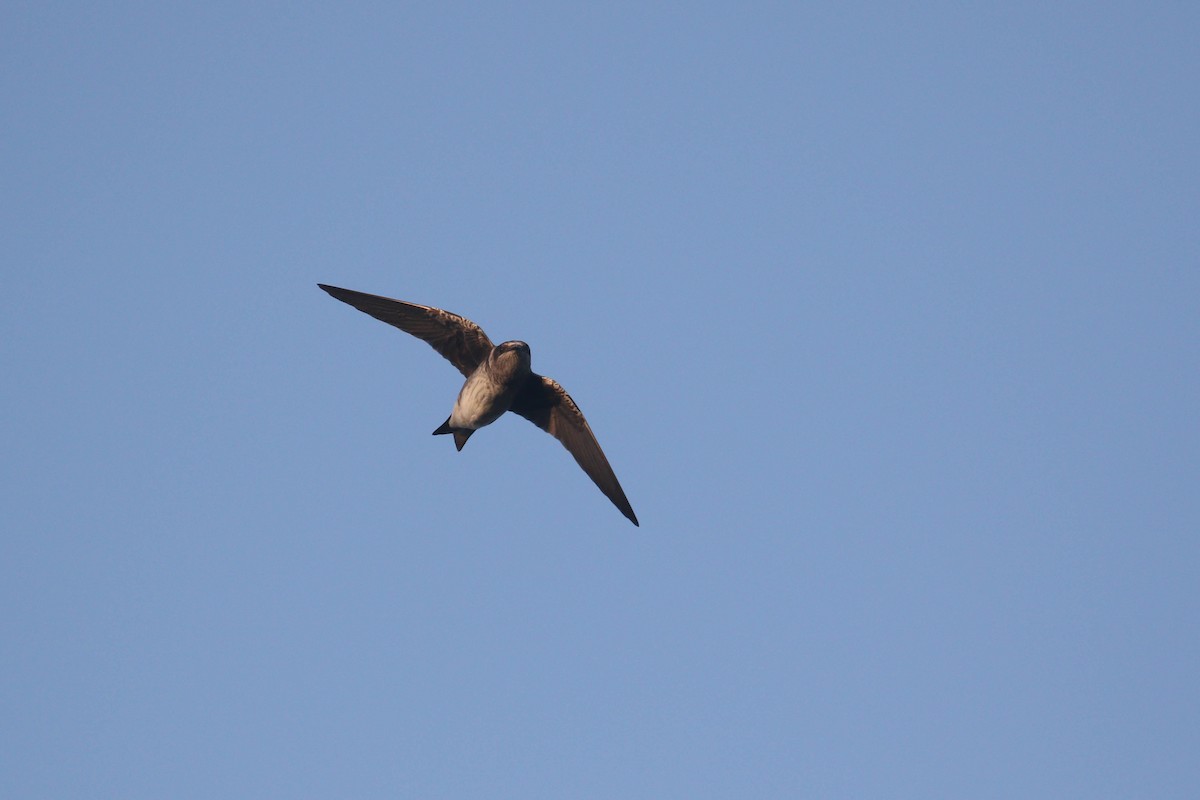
(335, 291)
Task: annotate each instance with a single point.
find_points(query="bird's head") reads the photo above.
(512, 351)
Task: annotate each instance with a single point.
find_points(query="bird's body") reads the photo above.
(489, 390)
(498, 379)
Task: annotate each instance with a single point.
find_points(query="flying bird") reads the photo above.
(499, 379)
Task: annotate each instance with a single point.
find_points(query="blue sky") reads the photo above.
(886, 317)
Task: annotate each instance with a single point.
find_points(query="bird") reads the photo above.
(499, 378)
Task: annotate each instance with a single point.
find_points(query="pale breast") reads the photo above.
(481, 402)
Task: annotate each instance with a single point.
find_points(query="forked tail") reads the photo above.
(460, 434)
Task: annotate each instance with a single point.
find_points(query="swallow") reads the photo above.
(498, 379)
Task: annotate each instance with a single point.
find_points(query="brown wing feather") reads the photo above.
(460, 341)
(546, 404)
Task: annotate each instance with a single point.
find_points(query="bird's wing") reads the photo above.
(546, 404)
(460, 341)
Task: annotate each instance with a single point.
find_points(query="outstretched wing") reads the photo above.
(460, 341)
(546, 404)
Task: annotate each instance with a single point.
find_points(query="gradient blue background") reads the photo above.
(886, 316)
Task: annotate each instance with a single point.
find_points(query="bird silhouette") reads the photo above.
(498, 379)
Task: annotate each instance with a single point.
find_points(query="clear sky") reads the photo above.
(886, 316)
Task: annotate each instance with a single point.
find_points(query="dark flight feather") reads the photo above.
(546, 404)
(460, 341)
